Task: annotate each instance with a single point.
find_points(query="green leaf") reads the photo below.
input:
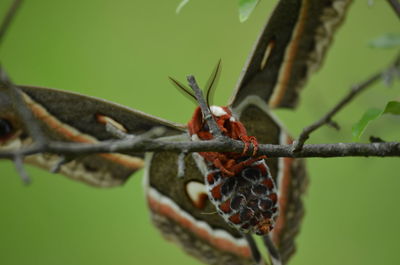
(245, 8)
(360, 126)
(389, 40)
(392, 107)
(181, 5)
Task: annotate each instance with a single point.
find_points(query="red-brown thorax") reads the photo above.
(230, 127)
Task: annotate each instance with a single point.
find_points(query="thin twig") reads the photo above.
(57, 166)
(19, 165)
(333, 124)
(396, 6)
(134, 139)
(8, 18)
(255, 252)
(214, 129)
(25, 114)
(327, 118)
(272, 250)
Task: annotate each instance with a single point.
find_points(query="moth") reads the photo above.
(290, 47)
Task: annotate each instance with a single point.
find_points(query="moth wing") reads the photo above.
(289, 174)
(72, 117)
(291, 46)
(181, 210)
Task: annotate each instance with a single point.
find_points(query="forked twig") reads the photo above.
(327, 118)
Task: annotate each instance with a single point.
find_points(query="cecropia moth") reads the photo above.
(291, 46)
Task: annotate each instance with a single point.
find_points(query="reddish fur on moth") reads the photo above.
(230, 127)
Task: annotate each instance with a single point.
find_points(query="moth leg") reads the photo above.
(221, 123)
(218, 163)
(254, 142)
(247, 140)
(272, 250)
(246, 144)
(239, 167)
(254, 249)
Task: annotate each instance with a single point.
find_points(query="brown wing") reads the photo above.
(180, 208)
(72, 117)
(291, 47)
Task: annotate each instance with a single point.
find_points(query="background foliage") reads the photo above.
(123, 52)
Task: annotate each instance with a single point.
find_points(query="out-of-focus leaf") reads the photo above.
(360, 126)
(392, 107)
(245, 8)
(181, 5)
(389, 40)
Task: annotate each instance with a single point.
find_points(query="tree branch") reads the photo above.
(354, 91)
(151, 145)
(146, 142)
(396, 6)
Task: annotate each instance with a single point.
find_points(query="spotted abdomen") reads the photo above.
(247, 200)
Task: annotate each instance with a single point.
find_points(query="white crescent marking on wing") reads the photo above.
(196, 191)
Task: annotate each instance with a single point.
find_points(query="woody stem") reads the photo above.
(214, 129)
(354, 91)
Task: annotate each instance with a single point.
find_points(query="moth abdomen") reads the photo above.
(247, 200)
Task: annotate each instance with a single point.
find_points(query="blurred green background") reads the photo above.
(123, 51)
